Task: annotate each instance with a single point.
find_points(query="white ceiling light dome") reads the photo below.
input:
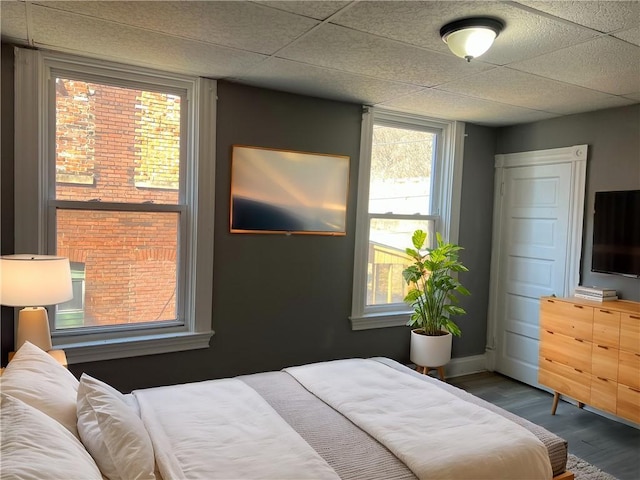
(471, 37)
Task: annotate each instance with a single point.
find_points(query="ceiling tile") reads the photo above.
(604, 16)
(110, 41)
(243, 25)
(356, 52)
(605, 64)
(451, 106)
(13, 20)
(525, 35)
(280, 74)
(319, 10)
(370, 52)
(530, 91)
(632, 35)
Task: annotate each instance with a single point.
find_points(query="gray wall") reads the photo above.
(6, 187)
(475, 236)
(280, 299)
(613, 163)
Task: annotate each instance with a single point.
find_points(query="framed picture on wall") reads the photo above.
(281, 191)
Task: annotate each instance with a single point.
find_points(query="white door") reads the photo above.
(535, 240)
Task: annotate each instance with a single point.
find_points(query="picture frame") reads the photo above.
(288, 192)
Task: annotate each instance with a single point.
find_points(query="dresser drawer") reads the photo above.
(629, 369)
(630, 332)
(604, 393)
(566, 350)
(628, 403)
(567, 318)
(606, 327)
(604, 362)
(566, 380)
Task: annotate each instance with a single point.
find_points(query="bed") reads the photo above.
(344, 419)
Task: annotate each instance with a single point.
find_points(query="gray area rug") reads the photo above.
(585, 471)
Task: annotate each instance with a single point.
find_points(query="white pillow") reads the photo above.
(34, 446)
(112, 432)
(34, 377)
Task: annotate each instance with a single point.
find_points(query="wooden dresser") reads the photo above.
(590, 351)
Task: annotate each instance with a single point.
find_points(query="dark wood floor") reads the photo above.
(611, 446)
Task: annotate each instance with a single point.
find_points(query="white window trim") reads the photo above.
(446, 202)
(31, 162)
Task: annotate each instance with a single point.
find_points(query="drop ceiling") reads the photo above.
(553, 58)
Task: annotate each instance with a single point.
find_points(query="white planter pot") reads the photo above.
(428, 351)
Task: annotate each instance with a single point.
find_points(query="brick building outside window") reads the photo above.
(118, 145)
(115, 174)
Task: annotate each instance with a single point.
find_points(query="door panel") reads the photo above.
(535, 225)
(519, 348)
(519, 310)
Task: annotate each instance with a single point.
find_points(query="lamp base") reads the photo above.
(33, 326)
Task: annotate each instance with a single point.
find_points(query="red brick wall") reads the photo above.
(119, 137)
(75, 132)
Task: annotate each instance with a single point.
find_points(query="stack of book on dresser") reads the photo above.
(597, 294)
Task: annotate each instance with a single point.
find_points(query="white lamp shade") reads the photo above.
(470, 42)
(34, 280)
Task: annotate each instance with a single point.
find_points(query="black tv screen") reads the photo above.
(616, 233)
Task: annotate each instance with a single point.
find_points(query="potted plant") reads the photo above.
(433, 296)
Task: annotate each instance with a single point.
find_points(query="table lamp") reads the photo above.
(31, 280)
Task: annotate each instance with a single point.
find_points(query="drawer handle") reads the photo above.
(578, 370)
(549, 332)
(634, 316)
(605, 311)
(579, 340)
(602, 346)
(550, 301)
(634, 389)
(603, 379)
(578, 306)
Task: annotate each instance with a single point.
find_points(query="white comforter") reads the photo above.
(434, 433)
(222, 429)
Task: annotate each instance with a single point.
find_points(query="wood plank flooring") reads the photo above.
(611, 446)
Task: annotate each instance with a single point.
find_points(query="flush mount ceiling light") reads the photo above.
(471, 37)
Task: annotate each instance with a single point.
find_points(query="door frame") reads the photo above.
(575, 155)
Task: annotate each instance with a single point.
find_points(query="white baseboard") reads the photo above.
(466, 365)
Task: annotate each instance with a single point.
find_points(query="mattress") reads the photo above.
(335, 438)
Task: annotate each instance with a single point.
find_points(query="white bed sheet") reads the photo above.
(223, 429)
(436, 434)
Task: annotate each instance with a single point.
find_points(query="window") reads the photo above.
(128, 140)
(116, 192)
(71, 314)
(406, 182)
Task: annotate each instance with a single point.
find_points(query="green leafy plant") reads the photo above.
(433, 293)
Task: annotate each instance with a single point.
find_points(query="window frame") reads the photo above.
(446, 185)
(35, 172)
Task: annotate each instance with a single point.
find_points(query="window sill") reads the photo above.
(97, 350)
(379, 320)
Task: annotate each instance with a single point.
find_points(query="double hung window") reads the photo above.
(406, 183)
(118, 172)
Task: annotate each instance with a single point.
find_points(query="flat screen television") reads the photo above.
(282, 191)
(616, 233)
